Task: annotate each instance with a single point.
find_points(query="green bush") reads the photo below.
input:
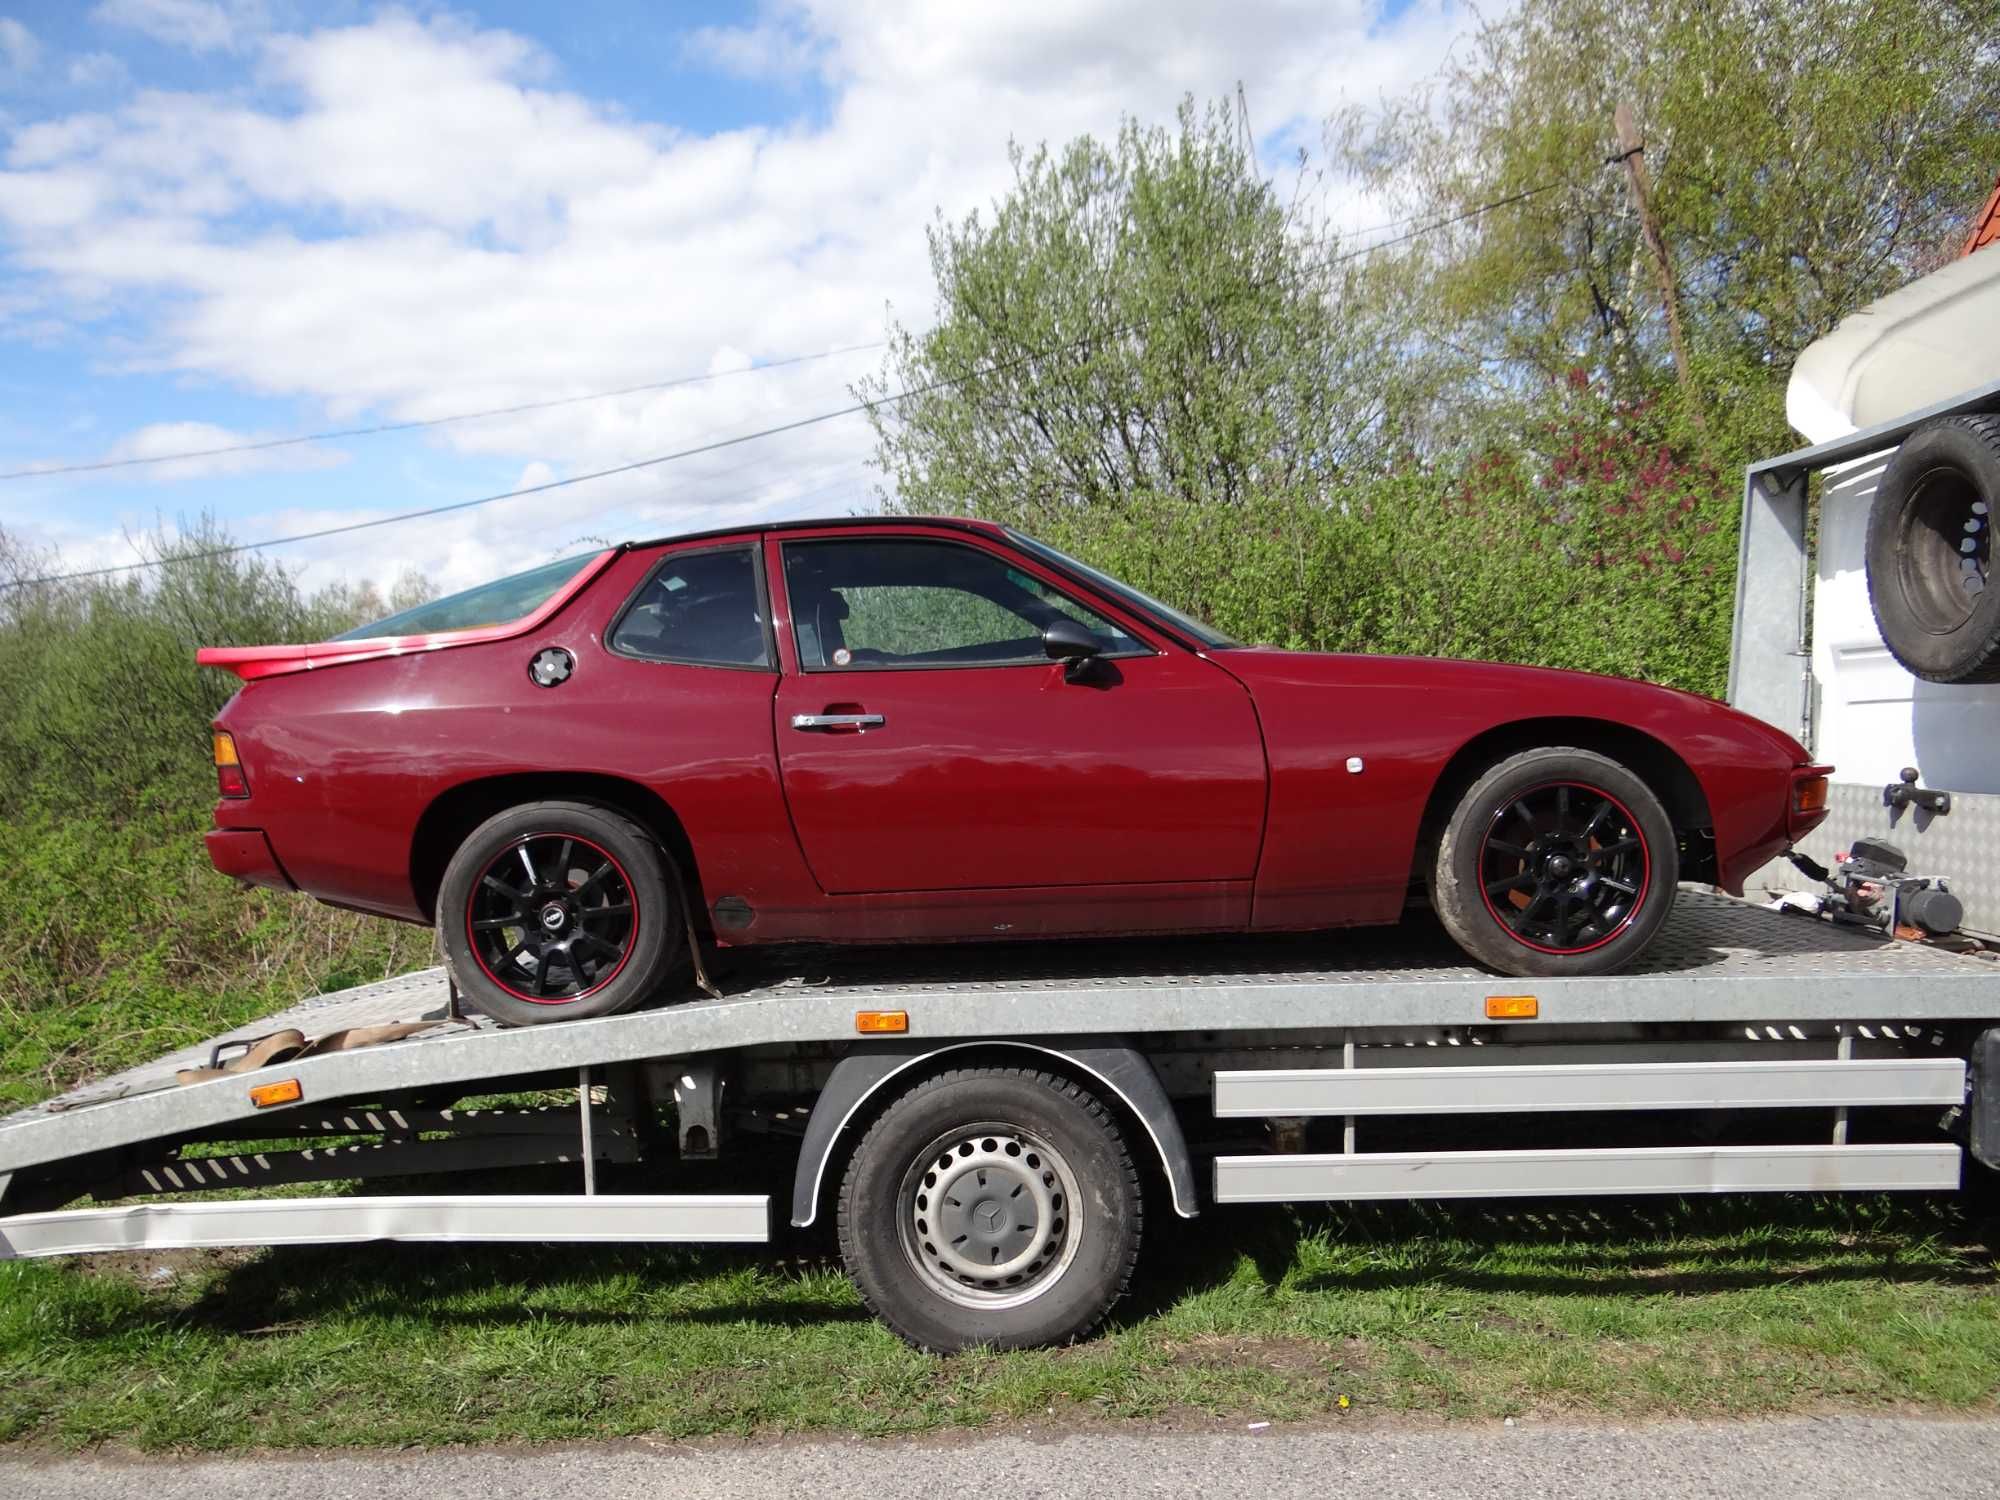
(123, 942)
(1598, 548)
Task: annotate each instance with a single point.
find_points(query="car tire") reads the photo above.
(1930, 551)
(558, 911)
(1555, 862)
(1047, 1201)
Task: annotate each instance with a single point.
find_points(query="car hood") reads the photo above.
(1507, 691)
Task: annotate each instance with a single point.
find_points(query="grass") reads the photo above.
(1639, 1308)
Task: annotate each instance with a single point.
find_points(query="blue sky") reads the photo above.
(227, 220)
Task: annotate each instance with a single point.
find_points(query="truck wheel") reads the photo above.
(556, 911)
(1555, 862)
(1930, 551)
(991, 1206)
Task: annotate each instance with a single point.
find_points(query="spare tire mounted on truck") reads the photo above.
(1930, 551)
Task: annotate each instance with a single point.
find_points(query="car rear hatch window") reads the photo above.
(496, 603)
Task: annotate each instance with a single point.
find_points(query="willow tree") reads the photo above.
(1141, 321)
(1806, 156)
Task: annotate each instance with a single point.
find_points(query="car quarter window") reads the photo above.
(701, 608)
(905, 602)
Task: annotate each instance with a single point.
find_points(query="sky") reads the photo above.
(228, 221)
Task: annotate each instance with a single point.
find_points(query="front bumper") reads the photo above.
(245, 854)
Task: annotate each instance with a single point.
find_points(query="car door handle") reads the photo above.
(837, 721)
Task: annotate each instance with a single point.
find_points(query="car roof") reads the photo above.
(946, 523)
(967, 524)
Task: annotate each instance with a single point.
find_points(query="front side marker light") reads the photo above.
(229, 778)
(1810, 789)
(880, 1022)
(1512, 1007)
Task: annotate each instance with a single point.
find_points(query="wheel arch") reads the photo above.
(1651, 760)
(455, 812)
(860, 1088)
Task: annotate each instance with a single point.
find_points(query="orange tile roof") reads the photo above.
(1985, 228)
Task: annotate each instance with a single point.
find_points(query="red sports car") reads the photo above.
(880, 730)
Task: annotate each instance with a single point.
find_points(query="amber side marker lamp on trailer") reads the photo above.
(877, 1022)
(1512, 1007)
(286, 1091)
(229, 778)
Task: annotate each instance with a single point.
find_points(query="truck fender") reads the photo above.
(859, 1076)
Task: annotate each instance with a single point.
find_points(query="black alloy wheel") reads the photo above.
(1557, 861)
(1564, 867)
(558, 911)
(552, 918)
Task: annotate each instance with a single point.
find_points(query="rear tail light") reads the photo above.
(229, 778)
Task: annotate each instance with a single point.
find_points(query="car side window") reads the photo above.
(904, 602)
(699, 608)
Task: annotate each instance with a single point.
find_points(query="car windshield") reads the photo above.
(1203, 634)
(493, 603)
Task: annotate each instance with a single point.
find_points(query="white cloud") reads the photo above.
(197, 25)
(97, 70)
(19, 51)
(769, 49)
(471, 233)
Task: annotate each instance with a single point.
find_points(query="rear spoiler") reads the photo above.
(253, 662)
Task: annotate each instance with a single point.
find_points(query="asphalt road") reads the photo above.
(1830, 1457)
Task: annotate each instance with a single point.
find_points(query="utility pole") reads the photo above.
(1243, 129)
(1632, 151)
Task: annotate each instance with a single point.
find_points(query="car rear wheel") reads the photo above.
(991, 1206)
(1555, 862)
(558, 911)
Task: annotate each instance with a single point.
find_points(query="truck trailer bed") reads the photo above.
(1718, 961)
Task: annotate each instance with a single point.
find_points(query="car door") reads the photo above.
(928, 744)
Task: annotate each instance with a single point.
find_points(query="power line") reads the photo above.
(1471, 213)
(234, 548)
(457, 505)
(424, 422)
(943, 383)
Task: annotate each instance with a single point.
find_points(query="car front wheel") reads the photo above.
(1555, 862)
(558, 911)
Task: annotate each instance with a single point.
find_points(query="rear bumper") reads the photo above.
(245, 854)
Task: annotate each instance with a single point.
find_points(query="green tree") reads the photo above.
(1151, 321)
(123, 941)
(1807, 157)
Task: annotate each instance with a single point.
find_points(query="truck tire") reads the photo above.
(994, 1207)
(558, 911)
(1555, 862)
(1930, 551)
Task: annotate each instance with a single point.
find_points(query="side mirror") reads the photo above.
(1069, 643)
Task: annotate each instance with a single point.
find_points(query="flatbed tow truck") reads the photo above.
(1857, 1051)
(987, 1123)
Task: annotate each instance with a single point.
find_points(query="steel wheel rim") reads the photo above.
(989, 1216)
(1564, 867)
(1946, 553)
(552, 918)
